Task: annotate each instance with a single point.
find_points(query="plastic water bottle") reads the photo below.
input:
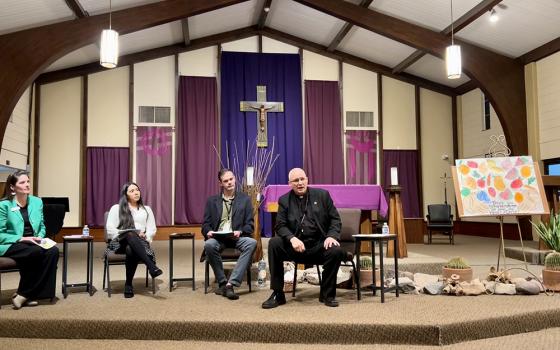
(261, 276)
(85, 231)
(385, 229)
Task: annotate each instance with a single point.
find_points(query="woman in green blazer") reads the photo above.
(21, 226)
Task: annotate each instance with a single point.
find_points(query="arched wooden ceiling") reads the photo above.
(27, 53)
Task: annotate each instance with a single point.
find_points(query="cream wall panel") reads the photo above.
(59, 144)
(437, 143)
(548, 85)
(154, 84)
(318, 67)
(108, 116)
(14, 145)
(275, 46)
(200, 63)
(250, 44)
(475, 140)
(399, 115)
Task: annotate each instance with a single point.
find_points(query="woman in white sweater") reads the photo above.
(131, 226)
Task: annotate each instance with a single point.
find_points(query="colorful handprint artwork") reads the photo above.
(498, 186)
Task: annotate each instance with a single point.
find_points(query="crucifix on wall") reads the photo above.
(262, 107)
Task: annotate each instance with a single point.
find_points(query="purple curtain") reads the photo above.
(106, 172)
(196, 167)
(361, 157)
(153, 170)
(406, 162)
(323, 133)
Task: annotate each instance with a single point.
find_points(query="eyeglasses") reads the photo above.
(300, 179)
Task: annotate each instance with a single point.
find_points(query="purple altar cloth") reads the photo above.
(365, 197)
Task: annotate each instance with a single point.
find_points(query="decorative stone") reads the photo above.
(475, 287)
(504, 288)
(434, 288)
(532, 287)
(421, 279)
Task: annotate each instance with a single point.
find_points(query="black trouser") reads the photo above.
(135, 251)
(280, 250)
(37, 269)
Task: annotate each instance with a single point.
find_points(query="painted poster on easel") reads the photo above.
(498, 187)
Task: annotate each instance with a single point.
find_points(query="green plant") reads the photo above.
(458, 263)
(552, 262)
(550, 231)
(366, 263)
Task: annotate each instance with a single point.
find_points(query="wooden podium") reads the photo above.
(551, 188)
(396, 222)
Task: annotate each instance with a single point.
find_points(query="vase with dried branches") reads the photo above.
(251, 178)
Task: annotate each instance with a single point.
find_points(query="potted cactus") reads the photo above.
(366, 278)
(458, 266)
(551, 271)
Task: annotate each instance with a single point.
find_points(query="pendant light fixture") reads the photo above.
(453, 55)
(109, 51)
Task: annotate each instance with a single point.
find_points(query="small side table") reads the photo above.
(89, 274)
(172, 238)
(379, 239)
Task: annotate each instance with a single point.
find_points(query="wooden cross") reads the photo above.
(262, 107)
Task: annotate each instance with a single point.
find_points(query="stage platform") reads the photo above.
(191, 316)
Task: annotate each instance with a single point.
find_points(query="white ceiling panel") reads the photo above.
(162, 35)
(95, 7)
(304, 22)
(18, 15)
(225, 19)
(433, 68)
(86, 54)
(433, 14)
(374, 47)
(523, 26)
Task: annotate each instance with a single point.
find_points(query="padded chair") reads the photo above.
(440, 219)
(228, 255)
(350, 219)
(7, 265)
(111, 258)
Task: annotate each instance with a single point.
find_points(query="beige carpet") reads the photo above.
(191, 315)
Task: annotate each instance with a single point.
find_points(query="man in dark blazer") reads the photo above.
(307, 231)
(228, 222)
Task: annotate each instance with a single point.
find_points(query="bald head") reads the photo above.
(298, 181)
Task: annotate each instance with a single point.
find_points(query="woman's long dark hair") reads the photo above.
(125, 216)
(11, 181)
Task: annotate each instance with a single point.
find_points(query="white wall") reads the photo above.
(14, 150)
(108, 115)
(202, 63)
(399, 115)
(476, 141)
(359, 93)
(318, 67)
(437, 140)
(59, 144)
(275, 46)
(548, 84)
(244, 45)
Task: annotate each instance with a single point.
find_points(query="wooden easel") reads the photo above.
(396, 222)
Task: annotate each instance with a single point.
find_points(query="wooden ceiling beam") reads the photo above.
(345, 29)
(30, 51)
(355, 61)
(195, 44)
(501, 78)
(466, 87)
(463, 21)
(264, 14)
(77, 8)
(186, 34)
(541, 52)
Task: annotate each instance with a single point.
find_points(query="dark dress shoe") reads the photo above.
(156, 272)
(230, 293)
(331, 302)
(221, 290)
(128, 292)
(276, 299)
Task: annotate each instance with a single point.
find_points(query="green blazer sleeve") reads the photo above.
(11, 222)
